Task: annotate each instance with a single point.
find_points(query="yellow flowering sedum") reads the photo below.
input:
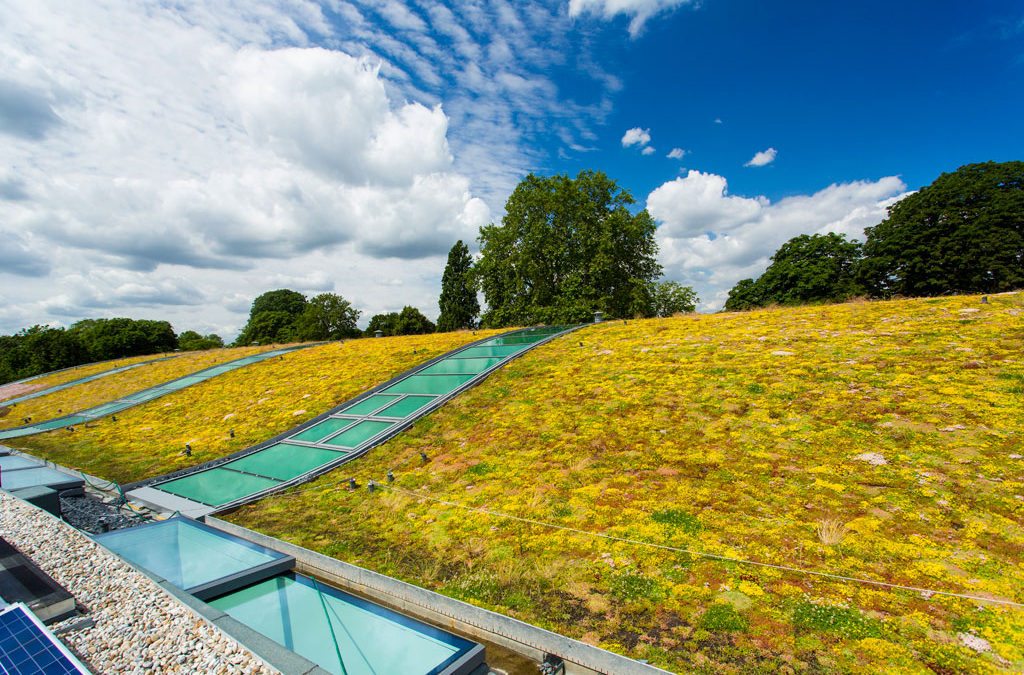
(901, 424)
(11, 390)
(254, 403)
(113, 387)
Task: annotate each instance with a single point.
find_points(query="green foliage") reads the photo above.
(458, 303)
(807, 268)
(282, 300)
(115, 338)
(678, 518)
(273, 318)
(410, 321)
(567, 247)
(634, 587)
(39, 349)
(723, 617)
(190, 341)
(267, 328)
(964, 233)
(42, 349)
(671, 297)
(327, 316)
(481, 469)
(843, 621)
(746, 294)
(286, 316)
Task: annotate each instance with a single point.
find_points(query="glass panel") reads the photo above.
(12, 480)
(322, 430)
(12, 462)
(429, 384)
(497, 350)
(460, 366)
(186, 554)
(371, 640)
(218, 370)
(108, 408)
(358, 434)
(182, 383)
(514, 340)
(216, 486)
(60, 423)
(406, 406)
(146, 395)
(284, 461)
(368, 405)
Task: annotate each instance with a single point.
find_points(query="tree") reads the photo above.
(285, 306)
(671, 297)
(281, 300)
(328, 316)
(807, 268)
(190, 341)
(115, 338)
(746, 294)
(964, 233)
(268, 328)
(458, 303)
(410, 321)
(567, 247)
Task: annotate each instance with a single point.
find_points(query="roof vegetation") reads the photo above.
(610, 486)
(237, 409)
(105, 389)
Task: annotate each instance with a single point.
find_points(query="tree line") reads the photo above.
(963, 233)
(41, 349)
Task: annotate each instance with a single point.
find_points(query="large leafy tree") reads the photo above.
(964, 233)
(746, 294)
(807, 268)
(565, 248)
(114, 338)
(39, 349)
(671, 297)
(273, 317)
(410, 321)
(328, 316)
(458, 303)
(190, 340)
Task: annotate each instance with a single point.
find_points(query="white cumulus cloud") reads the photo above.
(676, 153)
(763, 158)
(636, 136)
(146, 178)
(710, 239)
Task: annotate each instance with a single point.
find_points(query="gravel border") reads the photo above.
(138, 627)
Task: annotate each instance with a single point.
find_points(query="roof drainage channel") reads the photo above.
(66, 385)
(342, 434)
(144, 395)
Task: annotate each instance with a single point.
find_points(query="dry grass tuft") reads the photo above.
(831, 531)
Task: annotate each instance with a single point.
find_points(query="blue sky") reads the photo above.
(173, 160)
(844, 91)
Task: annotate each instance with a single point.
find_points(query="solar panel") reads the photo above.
(27, 648)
